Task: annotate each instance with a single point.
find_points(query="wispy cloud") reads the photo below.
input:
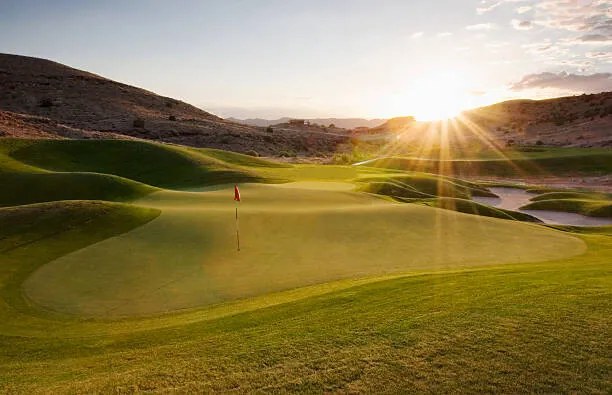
(588, 83)
(524, 9)
(521, 25)
(417, 35)
(600, 55)
(481, 27)
(444, 34)
(490, 5)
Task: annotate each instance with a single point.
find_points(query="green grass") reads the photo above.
(158, 165)
(552, 162)
(572, 195)
(472, 207)
(541, 327)
(26, 188)
(592, 208)
(32, 235)
(334, 290)
(420, 185)
(187, 257)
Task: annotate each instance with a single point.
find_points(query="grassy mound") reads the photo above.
(25, 188)
(158, 165)
(472, 207)
(572, 195)
(592, 208)
(32, 235)
(420, 185)
(239, 159)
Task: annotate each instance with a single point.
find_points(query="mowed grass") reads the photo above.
(537, 327)
(334, 290)
(290, 237)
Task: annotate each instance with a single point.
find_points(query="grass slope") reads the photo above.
(150, 163)
(555, 162)
(472, 207)
(32, 235)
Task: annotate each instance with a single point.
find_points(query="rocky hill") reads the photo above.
(573, 121)
(345, 123)
(584, 120)
(41, 98)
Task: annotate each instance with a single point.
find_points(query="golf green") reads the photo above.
(291, 236)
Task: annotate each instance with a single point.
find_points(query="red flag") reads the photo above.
(236, 193)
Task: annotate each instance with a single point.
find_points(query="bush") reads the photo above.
(269, 129)
(138, 123)
(539, 142)
(252, 153)
(46, 102)
(172, 118)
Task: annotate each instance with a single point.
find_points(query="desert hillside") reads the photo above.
(584, 120)
(573, 121)
(41, 98)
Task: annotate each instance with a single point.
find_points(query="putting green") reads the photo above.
(290, 237)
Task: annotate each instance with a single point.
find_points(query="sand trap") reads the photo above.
(513, 198)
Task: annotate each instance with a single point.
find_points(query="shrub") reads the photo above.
(252, 153)
(46, 102)
(539, 142)
(269, 129)
(138, 123)
(172, 118)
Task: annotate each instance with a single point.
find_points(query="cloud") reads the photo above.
(444, 34)
(576, 16)
(489, 5)
(521, 25)
(594, 38)
(524, 9)
(417, 35)
(590, 83)
(600, 55)
(486, 7)
(481, 26)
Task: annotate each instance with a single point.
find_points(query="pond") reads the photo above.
(513, 198)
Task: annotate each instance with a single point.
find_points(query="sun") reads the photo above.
(433, 96)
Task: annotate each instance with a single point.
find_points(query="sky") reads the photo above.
(326, 58)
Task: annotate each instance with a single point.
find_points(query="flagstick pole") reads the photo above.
(237, 229)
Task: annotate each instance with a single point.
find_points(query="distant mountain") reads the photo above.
(345, 123)
(43, 99)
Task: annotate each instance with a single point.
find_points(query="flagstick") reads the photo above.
(237, 230)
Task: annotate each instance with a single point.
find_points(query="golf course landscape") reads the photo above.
(120, 272)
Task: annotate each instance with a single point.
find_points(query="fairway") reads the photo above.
(292, 236)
